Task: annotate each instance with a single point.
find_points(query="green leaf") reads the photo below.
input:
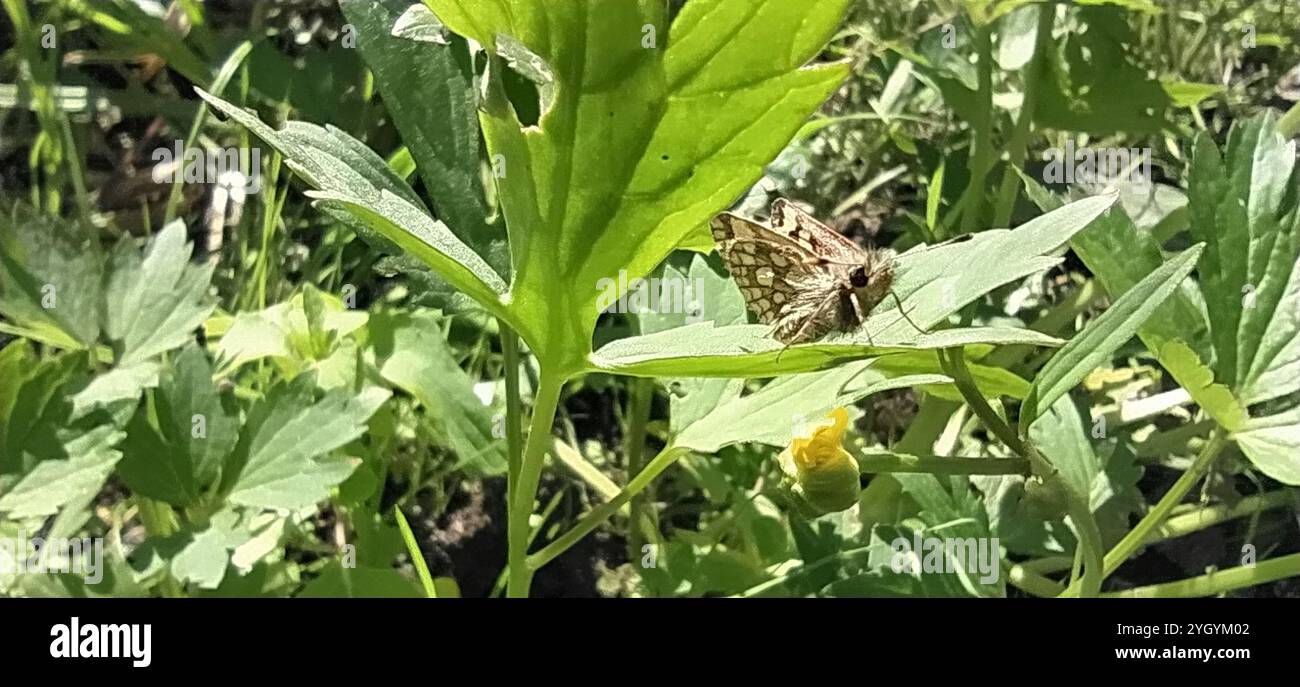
(950, 509)
(1273, 444)
(282, 459)
(232, 540)
(355, 181)
(412, 354)
(122, 383)
(428, 87)
(701, 350)
(51, 279)
(195, 432)
(1101, 337)
(337, 581)
(153, 304)
(638, 144)
(933, 282)
(719, 301)
(50, 460)
(287, 333)
(1244, 206)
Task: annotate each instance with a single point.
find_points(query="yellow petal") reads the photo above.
(824, 447)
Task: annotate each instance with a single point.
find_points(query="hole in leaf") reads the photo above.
(528, 79)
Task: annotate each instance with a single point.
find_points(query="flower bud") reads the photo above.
(1045, 498)
(820, 475)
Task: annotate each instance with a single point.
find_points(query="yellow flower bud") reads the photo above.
(820, 474)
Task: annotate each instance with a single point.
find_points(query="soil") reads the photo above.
(468, 542)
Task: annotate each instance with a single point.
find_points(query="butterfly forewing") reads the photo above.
(771, 270)
(826, 243)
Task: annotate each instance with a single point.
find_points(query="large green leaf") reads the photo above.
(55, 285)
(1103, 336)
(1244, 205)
(644, 133)
(283, 456)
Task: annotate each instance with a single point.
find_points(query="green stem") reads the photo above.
(1090, 546)
(1019, 140)
(982, 146)
(1209, 516)
(1022, 577)
(417, 557)
(216, 87)
(1220, 581)
(601, 513)
(953, 361)
(1140, 534)
(638, 410)
(160, 521)
(514, 406)
(870, 463)
(75, 172)
(529, 476)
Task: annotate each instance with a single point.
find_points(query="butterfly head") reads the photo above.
(872, 280)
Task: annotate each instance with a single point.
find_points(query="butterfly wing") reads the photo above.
(791, 221)
(782, 281)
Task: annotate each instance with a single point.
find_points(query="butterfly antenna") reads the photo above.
(903, 311)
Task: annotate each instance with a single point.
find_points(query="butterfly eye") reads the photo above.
(858, 277)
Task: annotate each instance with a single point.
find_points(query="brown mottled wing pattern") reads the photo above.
(789, 219)
(776, 275)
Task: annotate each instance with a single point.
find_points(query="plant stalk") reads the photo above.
(529, 476)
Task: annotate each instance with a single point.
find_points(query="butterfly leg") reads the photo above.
(808, 329)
